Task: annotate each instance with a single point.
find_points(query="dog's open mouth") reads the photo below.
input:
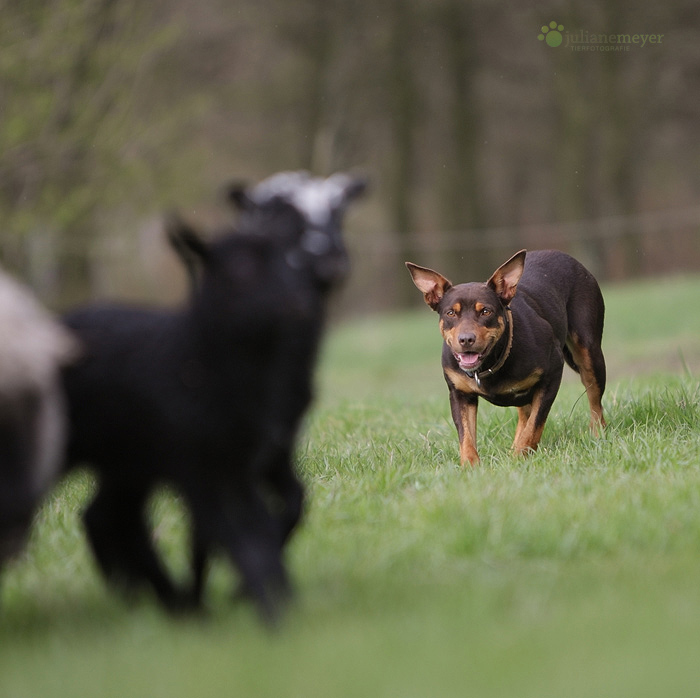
(468, 360)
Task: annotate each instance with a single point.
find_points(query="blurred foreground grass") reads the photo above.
(573, 573)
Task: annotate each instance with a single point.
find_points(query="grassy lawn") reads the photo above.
(575, 572)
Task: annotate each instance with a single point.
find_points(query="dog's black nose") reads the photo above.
(466, 339)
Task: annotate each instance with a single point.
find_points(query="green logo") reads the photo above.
(552, 34)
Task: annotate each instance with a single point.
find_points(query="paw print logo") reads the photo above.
(552, 34)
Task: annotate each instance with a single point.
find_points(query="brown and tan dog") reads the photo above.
(510, 348)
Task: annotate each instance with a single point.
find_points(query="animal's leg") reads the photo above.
(288, 493)
(532, 417)
(120, 540)
(523, 417)
(284, 502)
(590, 363)
(585, 313)
(241, 526)
(200, 565)
(464, 409)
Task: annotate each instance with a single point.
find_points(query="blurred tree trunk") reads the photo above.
(618, 171)
(461, 196)
(574, 154)
(626, 117)
(318, 47)
(403, 117)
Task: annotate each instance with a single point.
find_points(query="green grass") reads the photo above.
(575, 572)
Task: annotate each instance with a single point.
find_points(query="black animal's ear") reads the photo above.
(504, 281)
(351, 187)
(356, 188)
(432, 284)
(184, 238)
(189, 247)
(237, 194)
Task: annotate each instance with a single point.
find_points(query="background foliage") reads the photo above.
(479, 139)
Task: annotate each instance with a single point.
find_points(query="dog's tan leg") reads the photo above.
(591, 376)
(597, 423)
(467, 441)
(531, 420)
(523, 416)
(464, 409)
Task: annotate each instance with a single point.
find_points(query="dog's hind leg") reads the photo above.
(586, 312)
(119, 537)
(523, 417)
(532, 417)
(590, 363)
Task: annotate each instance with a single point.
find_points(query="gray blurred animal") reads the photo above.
(33, 348)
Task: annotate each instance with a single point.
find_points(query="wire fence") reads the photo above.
(138, 263)
(612, 247)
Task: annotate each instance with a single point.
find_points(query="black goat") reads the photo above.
(318, 253)
(199, 398)
(33, 347)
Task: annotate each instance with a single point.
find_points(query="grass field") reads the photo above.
(575, 572)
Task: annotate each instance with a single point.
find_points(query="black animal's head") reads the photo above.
(245, 283)
(305, 211)
(472, 315)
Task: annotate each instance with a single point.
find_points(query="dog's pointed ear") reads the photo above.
(504, 281)
(430, 283)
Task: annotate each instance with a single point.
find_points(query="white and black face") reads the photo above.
(321, 204)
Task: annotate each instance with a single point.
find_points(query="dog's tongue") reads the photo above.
(468, 359)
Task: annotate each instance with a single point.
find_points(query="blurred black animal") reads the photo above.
(201, 398)
(314, 247)
(33, 347)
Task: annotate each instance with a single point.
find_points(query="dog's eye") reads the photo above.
(450, 313)
(485, 312)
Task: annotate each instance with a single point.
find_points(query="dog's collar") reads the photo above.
(478, 375)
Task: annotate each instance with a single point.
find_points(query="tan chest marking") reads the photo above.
(463, 382)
